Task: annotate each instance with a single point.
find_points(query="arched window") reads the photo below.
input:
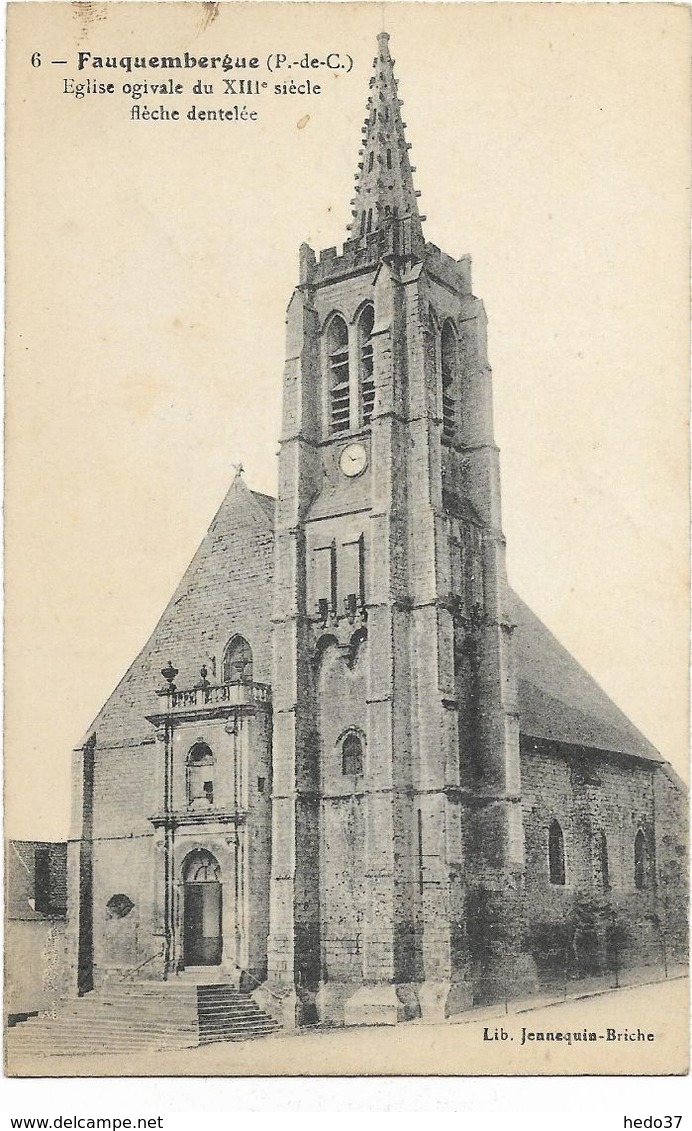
(352, 755)
(339, 395)
(603, 860)
(450, 391)
(200, 775)
(641, 861)
(365, 356)
(556, 854)
(237, 661)
(200, 867)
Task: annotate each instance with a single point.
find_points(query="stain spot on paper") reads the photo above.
(209, 14)
(302, 122)
(142, 394)
(88, 13)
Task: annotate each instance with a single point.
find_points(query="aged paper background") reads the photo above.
(148, 269)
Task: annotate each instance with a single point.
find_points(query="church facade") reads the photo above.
(350, 766)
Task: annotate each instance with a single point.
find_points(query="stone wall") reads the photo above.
(36, 964)
(226, 590)
(605, 914)
(123, 866)
(671, 805)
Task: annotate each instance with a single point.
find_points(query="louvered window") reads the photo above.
(367, 375)
(449, 383)
(340, 404)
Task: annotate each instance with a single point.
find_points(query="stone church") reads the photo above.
(350, 766)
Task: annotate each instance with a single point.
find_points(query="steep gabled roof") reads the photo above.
(558, 699)
(267, 503)
(225, 589)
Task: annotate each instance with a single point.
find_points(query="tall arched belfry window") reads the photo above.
(237, 661)
(366, 363)
(641, 861)
(556, 854)
(432, 342)
(450, 383)
(337, 354)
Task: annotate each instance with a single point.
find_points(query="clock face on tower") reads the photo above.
(353, 460)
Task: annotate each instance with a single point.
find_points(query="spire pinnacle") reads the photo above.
(384, 181)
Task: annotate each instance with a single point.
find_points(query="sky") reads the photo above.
(150, 264)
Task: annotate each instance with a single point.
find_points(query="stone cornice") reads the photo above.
(195, 817)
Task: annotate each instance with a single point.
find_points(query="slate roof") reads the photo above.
(559, 700)
(20, 879)
(267, 503)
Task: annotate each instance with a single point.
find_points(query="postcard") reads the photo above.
(347, 539)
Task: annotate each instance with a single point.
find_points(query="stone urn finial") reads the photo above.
(169, 673)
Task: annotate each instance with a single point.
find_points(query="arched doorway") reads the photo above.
(202, 922)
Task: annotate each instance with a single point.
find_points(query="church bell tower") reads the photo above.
(396, 784)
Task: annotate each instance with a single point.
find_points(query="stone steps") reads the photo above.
(131, 1017)
(230, 1016)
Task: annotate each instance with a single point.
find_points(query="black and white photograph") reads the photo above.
(347, 560)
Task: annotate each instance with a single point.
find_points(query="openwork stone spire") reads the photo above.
(384, 182)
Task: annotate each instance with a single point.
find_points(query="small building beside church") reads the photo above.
(36, 958)
(350, 765)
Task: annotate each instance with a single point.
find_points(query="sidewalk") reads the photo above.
(581, 989)
(458, 1046)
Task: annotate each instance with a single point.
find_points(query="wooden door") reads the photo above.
(202, 924)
